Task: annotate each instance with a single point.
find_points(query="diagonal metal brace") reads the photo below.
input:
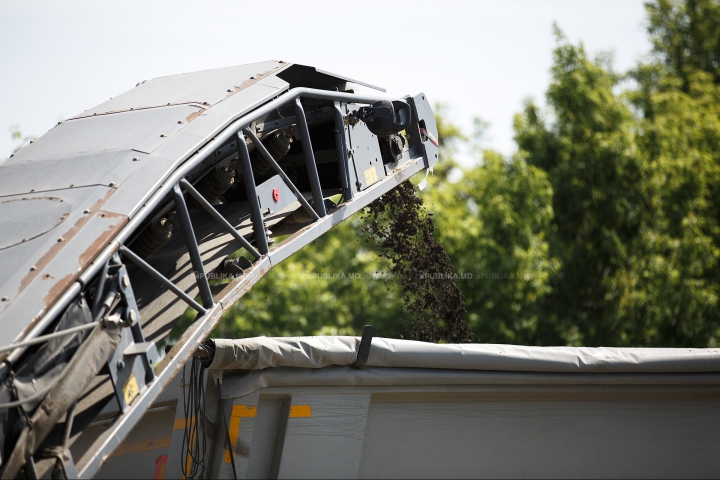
(310, 164)
(219, 218)
(269, 159)
(192, 246)
(130, 255)
(255, 213)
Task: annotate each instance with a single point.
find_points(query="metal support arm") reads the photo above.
(219, 218)
(255, 213)
(130, 255)
(302, 126)
(269, 158)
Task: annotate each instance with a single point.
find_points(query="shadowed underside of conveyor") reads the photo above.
(113, 221)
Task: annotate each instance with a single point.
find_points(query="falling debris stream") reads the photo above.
(402, 229)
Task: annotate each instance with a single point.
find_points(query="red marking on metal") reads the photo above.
(276, 195)
(425, 132)
(160, 465)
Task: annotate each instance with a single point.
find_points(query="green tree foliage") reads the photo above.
(635, 179)
(492, 221)
(604, 228)
(686, 36)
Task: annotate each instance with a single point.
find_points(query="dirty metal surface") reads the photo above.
(207, 87)
(26, 219)
(97, 168)
(115, 161)
(366, 156)
(166, 158)
(162, 134)
(143, 131)
(37, 272)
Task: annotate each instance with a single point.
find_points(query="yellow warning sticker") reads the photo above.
(300, 411)
(371, 175)
(130, 389)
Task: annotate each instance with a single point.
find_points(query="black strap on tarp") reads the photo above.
(364, 348)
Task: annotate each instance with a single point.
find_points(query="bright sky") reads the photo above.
(482, 58)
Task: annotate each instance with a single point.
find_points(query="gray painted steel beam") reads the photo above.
(342, 152)
(269, 158)
(130, 255)
(192, 247)
(251, 190)
(309, 159)
(220, 219)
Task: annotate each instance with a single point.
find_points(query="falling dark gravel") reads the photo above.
(403, 230)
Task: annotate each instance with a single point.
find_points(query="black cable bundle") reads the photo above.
(194, 444)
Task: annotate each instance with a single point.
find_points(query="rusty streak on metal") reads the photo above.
(61, 285)
(194, 115)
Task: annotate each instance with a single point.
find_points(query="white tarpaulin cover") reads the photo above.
(318, 352)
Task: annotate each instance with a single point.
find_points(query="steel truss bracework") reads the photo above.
(137, 381)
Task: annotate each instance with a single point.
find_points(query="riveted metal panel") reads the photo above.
(285, 196)
(206, 87)
(247, 99)
(26, 219)
(366, 156)
(39, 270)
(151, 173)
(200, 129)
(104, 168)
(142, 131)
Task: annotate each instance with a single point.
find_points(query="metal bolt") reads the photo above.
(163, 135)
(229, 90)
(120, 364)
(112, 184)
(126, 280)
(5, 299)
(180, 122)
(136, 159)
(33, 268)
(87, 210)
(133, 316)
(61, 239)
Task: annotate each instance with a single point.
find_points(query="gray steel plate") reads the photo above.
(207, 87)
(25, 219)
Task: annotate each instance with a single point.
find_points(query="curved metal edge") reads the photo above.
(166, 188)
